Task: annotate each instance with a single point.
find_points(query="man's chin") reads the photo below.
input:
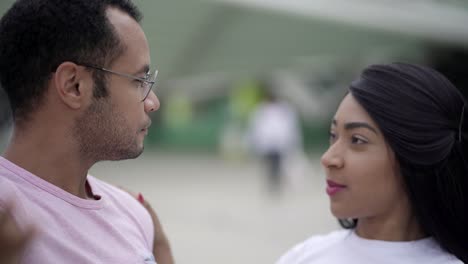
(129, 154)
(135, 154)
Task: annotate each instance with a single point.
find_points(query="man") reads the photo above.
(77, 76)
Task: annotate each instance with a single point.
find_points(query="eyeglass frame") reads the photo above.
(129, 76)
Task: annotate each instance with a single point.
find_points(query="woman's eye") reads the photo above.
(358, 140)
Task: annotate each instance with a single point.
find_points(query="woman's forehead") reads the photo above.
(350, 110)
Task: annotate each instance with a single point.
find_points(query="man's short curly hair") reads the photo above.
(36, 36)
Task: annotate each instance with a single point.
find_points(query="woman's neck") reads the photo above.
(398, 227)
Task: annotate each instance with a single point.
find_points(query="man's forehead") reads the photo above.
(121, 20)
(132, 38)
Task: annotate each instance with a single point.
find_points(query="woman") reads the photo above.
(397, 172)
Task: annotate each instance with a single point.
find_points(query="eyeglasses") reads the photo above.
(146, 84)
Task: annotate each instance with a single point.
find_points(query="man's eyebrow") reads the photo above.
(354, 125)
(144, 69)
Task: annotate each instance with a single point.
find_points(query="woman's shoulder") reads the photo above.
(313, 245)
(328, 239)
(345, 245)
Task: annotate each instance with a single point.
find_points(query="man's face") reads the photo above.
(114, 127)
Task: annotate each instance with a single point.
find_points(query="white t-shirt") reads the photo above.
(344, 246)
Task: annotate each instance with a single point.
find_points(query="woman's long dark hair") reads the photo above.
(424, 119)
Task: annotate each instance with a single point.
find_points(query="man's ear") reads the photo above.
(73, 84)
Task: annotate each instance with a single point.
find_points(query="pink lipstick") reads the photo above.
(333, 187)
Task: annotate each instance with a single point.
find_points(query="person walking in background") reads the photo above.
(396, 172)
(274, 134)
(77, 75)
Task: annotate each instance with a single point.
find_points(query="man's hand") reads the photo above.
(161, 247)
(12, 240)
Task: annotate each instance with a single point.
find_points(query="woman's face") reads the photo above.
(362, 175)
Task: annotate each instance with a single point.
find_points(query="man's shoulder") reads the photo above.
(114, 195)
(6, 174)
(6, 187)
(7, 182)
(10, 189)
(102, 187)
(11, 175)
(124, 204)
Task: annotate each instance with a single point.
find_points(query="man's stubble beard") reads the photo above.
(102, 133)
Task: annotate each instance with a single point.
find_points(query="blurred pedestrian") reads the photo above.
(274, 134)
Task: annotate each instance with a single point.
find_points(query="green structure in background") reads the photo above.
(217, 124)
(243, 99)
(184, 125)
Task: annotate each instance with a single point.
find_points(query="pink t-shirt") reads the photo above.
(115, 228)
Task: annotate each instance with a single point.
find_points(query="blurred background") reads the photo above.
(237, 75)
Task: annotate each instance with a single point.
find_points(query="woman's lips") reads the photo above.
(333, 187)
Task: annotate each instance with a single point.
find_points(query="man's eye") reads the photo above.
(138, 83)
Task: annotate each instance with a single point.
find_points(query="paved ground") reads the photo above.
(219, 212)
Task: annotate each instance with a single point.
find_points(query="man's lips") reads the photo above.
(146, 128)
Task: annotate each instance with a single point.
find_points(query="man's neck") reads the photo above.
(50, 159)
